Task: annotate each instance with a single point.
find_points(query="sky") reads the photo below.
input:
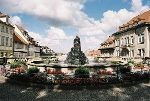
(55, 23)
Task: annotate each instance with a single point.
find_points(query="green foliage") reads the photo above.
(32, 69)
(82, 72)
(16, 64)
(131, 61)
(138, 64)
(20, 62)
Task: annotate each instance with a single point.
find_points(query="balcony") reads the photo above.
(107, 47)
(127, 45)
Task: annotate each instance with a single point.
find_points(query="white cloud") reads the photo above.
(137, 6)
(92, 39)
(64, 13)
(57, 34)
(15, 20)
(56, 39)
(54, 12)
(36, 36)
(59, 13)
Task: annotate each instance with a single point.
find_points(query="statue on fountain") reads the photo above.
(76, 56)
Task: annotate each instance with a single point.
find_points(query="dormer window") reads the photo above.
(139, 20)
(119, 28)
(31, 39)
(128, 25)
(24, 32)
(28, 39)
(133, 23)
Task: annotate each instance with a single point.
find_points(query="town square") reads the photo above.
(59, 50)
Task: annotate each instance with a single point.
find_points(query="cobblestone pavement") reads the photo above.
(18, 92)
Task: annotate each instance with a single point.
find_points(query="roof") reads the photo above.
(1, 15)
(23, 30)
(145, 17)
(109, 40)
(139, 19)
(8, 24)
(18, 38)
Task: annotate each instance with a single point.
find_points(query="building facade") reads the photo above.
(24, 44)
(6, 36)
(108, 47)
(93, 53)
(132, 40)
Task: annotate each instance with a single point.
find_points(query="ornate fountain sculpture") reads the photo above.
(76, 56)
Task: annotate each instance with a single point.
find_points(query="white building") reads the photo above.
(6, 36)
(132, 40)
(25, 45)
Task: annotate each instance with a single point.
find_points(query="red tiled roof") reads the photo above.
(144, 17)
(109, 40)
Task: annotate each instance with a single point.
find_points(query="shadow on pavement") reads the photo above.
(16, 91)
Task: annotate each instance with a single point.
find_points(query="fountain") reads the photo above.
(70, 62)
(76, 56)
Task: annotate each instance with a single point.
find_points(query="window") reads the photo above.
(19, 46)
(26, 47)
(11, 32)
(117, 42)
(128, 25)
(11, 42)
(122, 41)
(127, 40)
(6, 30)
(117, 53)
(139, 20)
(141, 38)
(132, 40)
(7, 41)
(2, 54)
(2, 29)
(141, 52)
(2, 41)
(132, 53)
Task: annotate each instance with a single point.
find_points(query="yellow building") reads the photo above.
(6, 36)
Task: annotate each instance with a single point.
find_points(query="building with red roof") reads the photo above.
(131, 41)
